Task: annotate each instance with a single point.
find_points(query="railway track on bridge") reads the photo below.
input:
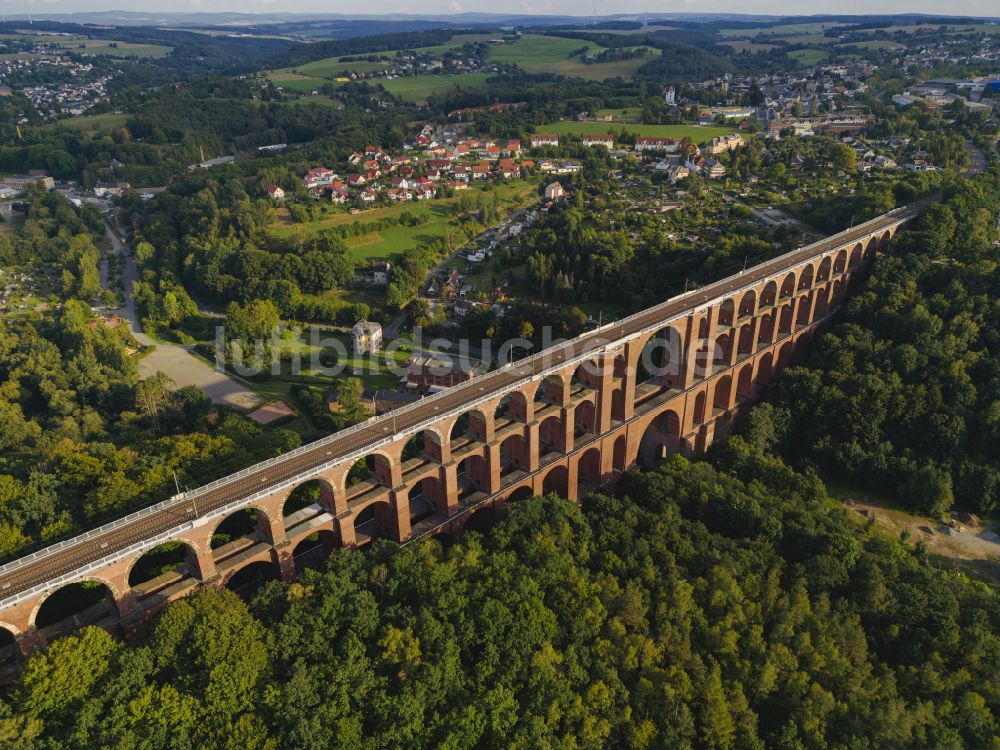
(45, 566)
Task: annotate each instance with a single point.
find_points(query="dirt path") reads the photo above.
(977, 547)
(175, 361)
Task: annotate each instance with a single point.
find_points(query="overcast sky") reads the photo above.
(577, 7)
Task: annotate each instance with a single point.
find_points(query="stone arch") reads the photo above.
(748, 304)
(82, 603)
(619, 454)
(855, 260)
(822, 302)
(786, 319)
(513, 406)
(556, 480)
(806, 277)
(524, 492)
(552, 434)
(426, 496)
(426, 444)
(245, 522)
(471, 424)
(825, 266)
(588, 468)
(699, 413)
(804, 309)
(588, 373)
(514, 454)
(787, 286)
(765, 370)
(311, 550)
(727, 312)
(550, 390)
(311, 492)
(786, 354)
(744, 382)
(473, 476)
(770, 294)
(840, 262)
(373, 469)
(723, 348)
(585, 417)
(722, 392)
(870, 249)
(618, 402)
(10, 652)
(373, 520)
(480, 520)
(180, 555)
(745, 345)
(661, 437)
(247, 579)
(766, 326)
(661, 360)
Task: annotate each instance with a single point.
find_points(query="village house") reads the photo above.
(318, 176)
(667, 145)
(367, 337)
(544, 139)
(380, 273)
(599, 140)
(274, 192)
(553, 191)
(431, 374)
(724, 143)
(713, 169)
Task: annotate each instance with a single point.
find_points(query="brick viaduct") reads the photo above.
(670, 379)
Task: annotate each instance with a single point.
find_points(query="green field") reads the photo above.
(742, 45)
(808, 56)
(625, 114)
(87, 46)
(418, 88)
(874, 44)
(388, 243)
(96, 123)
(411, 88)
(332, 67)
(791, 29)
(697, 133)
(551, 54)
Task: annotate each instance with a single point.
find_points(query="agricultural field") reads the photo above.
(386, 244)
(551, 54)
(418, 88)
(625, 114)
(791, 29)
(96, 123)
(808, 56)
(874, 44)
(697, 133)
(86, 46)
(332, 67)
(741, 45)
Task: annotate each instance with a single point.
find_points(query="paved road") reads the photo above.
(174, 360)
(22, 575)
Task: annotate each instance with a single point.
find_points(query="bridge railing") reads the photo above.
(476, 383)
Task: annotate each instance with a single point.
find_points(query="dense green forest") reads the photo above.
(904, 393)
(81, 437)
(701, 607)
